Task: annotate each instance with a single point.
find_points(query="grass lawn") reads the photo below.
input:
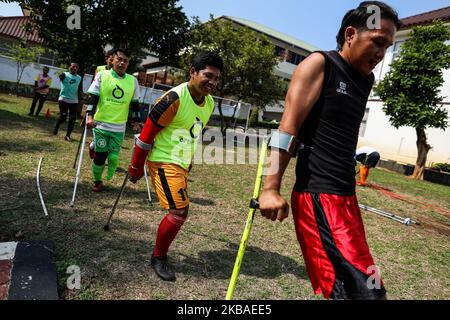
(414, 260)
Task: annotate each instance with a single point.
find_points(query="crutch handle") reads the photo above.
(254, 204)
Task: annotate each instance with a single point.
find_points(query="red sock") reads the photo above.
(167, 231)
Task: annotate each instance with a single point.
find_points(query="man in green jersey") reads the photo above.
(109, 56)
(173, 128)
(111, 94)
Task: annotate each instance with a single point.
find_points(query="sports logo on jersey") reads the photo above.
(101, 143)
(196, 128)
(342, 88)
(118, 92)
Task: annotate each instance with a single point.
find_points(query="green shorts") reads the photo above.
(107, 141)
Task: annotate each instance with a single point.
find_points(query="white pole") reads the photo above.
(148, 187)
(72, 203)
(39, 187)
(136, 136)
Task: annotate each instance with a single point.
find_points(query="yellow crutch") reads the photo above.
(248, 225)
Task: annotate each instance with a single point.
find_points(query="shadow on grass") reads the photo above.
(219, 264)
(16, 121)
(77, 232)
(110, 260)
(202, 202)
(259, 263)
(15, 145)
(2, 100)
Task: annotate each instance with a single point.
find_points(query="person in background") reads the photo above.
(368, 157)
(42, 84)
(71, 88)
(109, 56)
(111, 95)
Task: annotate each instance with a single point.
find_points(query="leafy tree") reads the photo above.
(23, 54)
(249, 63)
(410, 90)
(253, 121)
(137, 25)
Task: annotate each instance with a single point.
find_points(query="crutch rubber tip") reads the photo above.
(106, 227)
(71, 204)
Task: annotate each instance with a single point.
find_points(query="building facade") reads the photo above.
(400, 144)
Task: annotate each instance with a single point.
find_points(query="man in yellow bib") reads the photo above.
(172, 131)
(111, 94)
(109, 57)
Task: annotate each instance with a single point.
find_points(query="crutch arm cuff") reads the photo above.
(284, 141)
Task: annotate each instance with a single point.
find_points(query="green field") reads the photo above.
(414, 260)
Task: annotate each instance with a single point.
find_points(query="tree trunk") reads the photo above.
(422, 151)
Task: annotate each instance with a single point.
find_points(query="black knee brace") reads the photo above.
(100, 158)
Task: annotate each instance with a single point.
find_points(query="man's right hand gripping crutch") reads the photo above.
(143, 145)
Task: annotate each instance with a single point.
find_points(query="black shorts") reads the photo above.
(370, 160)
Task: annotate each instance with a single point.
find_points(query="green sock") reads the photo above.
(113, 163)
(97, 172)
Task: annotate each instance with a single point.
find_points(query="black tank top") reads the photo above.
(331, 130)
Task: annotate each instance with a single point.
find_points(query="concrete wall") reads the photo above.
(8, 72)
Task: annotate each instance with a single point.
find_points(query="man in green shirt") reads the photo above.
(71, 86)
(171, 132)
(111, 94)
(109, 56)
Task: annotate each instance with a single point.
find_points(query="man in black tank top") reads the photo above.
(324, 107)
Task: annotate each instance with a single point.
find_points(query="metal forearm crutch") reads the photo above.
(83, 140)
(148, 186)
(136, 136)
(106, 227)
(79, 144)
(248, 225)
(405, 221)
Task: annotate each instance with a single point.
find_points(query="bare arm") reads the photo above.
(304, 91)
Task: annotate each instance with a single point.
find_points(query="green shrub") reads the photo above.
(253, 121)
(267, 124)
(442, 167)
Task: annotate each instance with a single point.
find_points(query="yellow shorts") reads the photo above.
(170, 183)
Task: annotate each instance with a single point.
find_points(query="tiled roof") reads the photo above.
(12, 27)
(426, 17)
